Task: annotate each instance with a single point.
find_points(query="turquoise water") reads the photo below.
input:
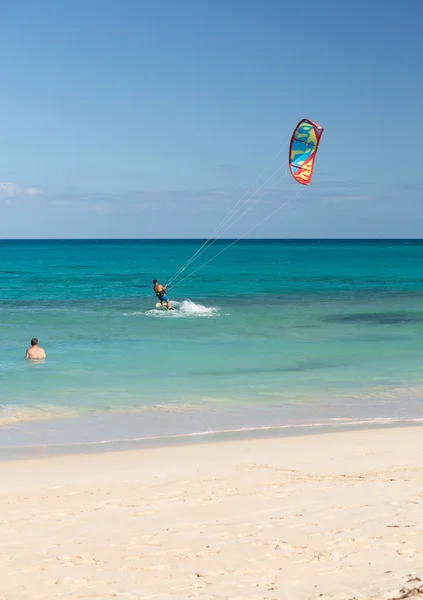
(270, 333)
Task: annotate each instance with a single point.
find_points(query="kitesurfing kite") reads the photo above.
(302, 154)
(302, 150)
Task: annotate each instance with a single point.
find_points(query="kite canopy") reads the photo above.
(302, 150)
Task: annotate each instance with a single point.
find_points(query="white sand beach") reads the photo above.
(336, 515)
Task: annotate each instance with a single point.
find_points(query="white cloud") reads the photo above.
(32, 191)
(14, 190)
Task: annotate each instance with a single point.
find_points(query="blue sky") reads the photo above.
(129, 118)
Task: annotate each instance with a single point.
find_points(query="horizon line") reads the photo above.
(223, 239)
(203, 239)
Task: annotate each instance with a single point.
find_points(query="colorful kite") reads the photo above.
(302, 150)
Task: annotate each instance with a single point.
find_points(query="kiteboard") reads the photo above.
(158, 305)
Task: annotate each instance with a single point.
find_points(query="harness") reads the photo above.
(160, 294)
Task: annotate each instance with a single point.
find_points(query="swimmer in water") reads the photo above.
(35, 352)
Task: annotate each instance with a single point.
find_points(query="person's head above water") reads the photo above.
(155, 281)
(35, 352)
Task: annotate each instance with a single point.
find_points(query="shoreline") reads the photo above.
(40, 448)
(62, 429)
(332, 516)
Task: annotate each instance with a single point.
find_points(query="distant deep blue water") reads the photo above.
(270, 333)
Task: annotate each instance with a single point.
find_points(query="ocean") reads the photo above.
(270, 334)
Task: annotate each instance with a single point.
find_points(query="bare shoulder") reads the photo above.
(35, 354)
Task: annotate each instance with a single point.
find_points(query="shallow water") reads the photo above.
(271, 333)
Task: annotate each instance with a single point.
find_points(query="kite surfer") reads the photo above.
(161, 293)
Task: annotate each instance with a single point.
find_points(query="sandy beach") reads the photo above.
(334, 515)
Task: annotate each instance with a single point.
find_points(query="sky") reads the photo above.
(143, 119)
